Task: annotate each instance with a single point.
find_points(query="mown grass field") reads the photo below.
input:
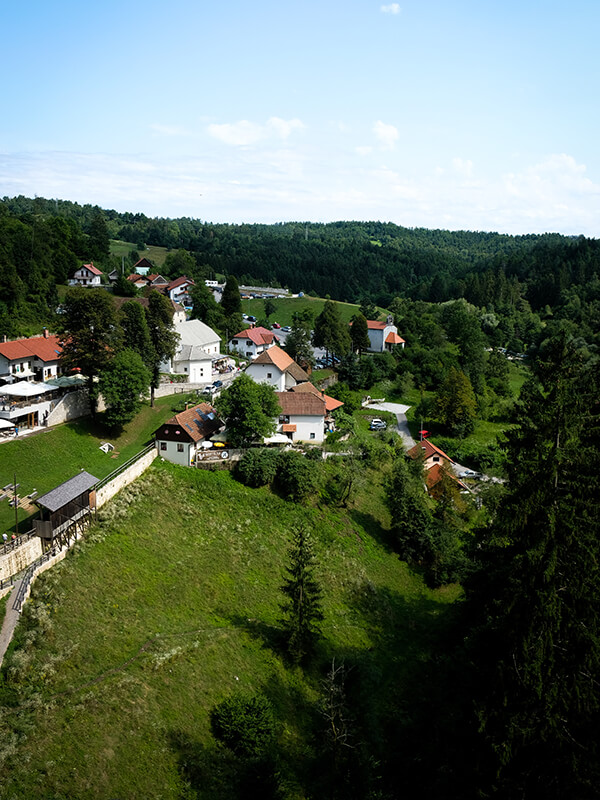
(43, 460)
(156, 255)
(286, 306)
(171, 605)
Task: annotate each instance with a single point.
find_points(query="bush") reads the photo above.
(245, 724)
(257, 467)
(297, 477)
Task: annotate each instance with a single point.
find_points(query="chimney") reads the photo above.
(45, 332)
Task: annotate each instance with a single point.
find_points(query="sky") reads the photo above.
(465, 115)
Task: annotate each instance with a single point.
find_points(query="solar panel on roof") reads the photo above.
(211, 415)
(189, 427)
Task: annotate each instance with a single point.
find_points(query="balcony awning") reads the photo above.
(26, 389)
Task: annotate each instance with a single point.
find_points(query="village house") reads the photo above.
(87, 275)
(302, 417)
(178, 290)
(436, 463)
(139, 281)
(181, 437)
(143, 266)
(252, 341)
(383, 336)
(36, 358)
(275, 367)
(156, 281)
(198, 352)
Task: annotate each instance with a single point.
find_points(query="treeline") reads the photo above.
(552, 276)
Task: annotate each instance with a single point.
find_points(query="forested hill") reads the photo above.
(349, 261)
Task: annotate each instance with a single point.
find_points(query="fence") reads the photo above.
(110, 477)
(12, 545)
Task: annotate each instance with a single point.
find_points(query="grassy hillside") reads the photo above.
(287, 306)
(171, 605)
(154, 254)
(43, 460)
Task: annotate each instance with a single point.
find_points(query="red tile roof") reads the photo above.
(135, 277)
(435, 475)
(46, 349)
(94, 270)
(258, 335)
(284, 363)
(330, 402)
(426, 449)
(393, 338)
(198, 422)
(180, 281)
(373, 325)
(303, 404)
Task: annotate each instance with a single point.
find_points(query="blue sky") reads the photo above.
(472, 114)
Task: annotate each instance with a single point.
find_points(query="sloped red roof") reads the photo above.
(198, 422)
(45, 349)
(134, 277)
(373, 325)
(258, 335)
(301, 404)
(427, 449)
(435, 475)
(393, 338)
(94, 270)
(284, 363)
(154, 279)
(180, 281)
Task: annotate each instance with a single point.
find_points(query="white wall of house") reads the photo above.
(247, 347)
(87, 278)
(197, 371)
(308, 428)
(177, 452)
(377, 338)
(268, 373)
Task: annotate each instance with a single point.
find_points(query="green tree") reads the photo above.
(270, 308)
(297, 476)
(245, 724)
(302, 606)
(205, 307)
(250, 410)
(359, 333)
(455, 404)
(368, 309)
(231, 301)
(99, 238)
(136, 334)
(163, 336)
(179, 264)
(535, 600)
(331, 332)
(258, 467)
(123, 384)
(410, 510)
(298, 343)
(124, 288)
(90, 335)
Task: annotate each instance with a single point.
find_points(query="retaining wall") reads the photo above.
(177, 388)
(16, 560)
(108, 491)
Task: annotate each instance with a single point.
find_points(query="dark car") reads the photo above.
(217, 384)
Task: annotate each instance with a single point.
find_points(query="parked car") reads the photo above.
(217, 384)
(377, 425)
(286, 328)
(250, 318)
(276, 325)
(207, 390)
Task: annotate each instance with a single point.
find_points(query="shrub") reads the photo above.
(245, 724)
(257, 467)
(297, 477)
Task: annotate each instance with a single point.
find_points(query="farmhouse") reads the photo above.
(430, 454)
(87, 275)
(383, 336)
(180, 438)
(275, 367)
(252, 341)
(198, 352)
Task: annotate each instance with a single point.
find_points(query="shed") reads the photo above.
(65, 510)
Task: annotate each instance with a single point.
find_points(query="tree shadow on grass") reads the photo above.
(374, 528)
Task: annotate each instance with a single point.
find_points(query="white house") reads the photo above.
(302, 417)
(181, 436)
(27, 359)
(275, 367)
(383, 335)
(252, 341)
(198, 350)
(88, 275)
(179, 288)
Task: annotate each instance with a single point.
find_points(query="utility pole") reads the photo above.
(16, 503)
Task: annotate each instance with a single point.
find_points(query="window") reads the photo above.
(312, 436)
(436, 458)
(163, 445)
(179, 447)
(269, 374)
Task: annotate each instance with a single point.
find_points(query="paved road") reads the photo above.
(400, 411)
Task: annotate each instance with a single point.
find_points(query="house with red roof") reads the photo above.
(252, 341)
(36, 358)
(179, 288)
(275, 367)
(302, 417)
(180, 437)
(88, 275)
(383, 336)
(437, 465)
(139, 281)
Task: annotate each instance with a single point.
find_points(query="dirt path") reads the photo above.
(10, 621)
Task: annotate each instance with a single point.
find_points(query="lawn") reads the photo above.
(156, 255)
(43, 460)
(172, 604)
(286, 306)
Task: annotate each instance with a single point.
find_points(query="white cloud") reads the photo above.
(392, 8)
(387, 134)
(245, 133)
(168, 130)
(364, 150)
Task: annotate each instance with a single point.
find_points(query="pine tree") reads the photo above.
(330, 331)
(359, 333)
(536, 599)
(302, 608)
(231, 300)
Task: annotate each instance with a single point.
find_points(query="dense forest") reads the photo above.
(510, 278)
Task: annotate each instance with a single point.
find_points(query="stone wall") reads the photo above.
(177, 388)
(19, 558)
(71, 406)
(108, 491)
